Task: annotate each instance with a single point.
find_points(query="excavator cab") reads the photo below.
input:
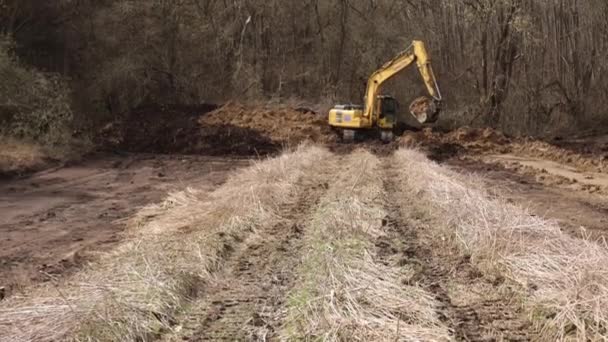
(387, 111)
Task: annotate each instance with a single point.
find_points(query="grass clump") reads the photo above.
(344, 292)
(172, 250)
(565, 278)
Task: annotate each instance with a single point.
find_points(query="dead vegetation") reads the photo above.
(504, 63)
(344, 291)
(245, 299)
(135, 291)
(357, 278)
(563, 279)
(35, 113)
(18, 156)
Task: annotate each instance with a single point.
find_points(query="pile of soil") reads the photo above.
(424, 109)
(479, 137)
(466, 140)
(232, 129)
(442, 145)
(281, 124)
(597, 162)
(154, 129)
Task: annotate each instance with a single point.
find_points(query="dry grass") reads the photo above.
(345, 293)
(19, 156)
(565, 279)
(134, 292)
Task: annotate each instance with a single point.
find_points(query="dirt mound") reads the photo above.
(232, 129)
(280, 124)
(541, 149)
(486, 141)
(484, 136)
(472, 139)
(154, 128)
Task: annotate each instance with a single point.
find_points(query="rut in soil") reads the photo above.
(245, 301)
(448, 276)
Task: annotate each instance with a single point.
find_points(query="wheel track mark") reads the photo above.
(484, 320)
(244, 302)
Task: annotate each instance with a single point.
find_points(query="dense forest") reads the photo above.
(523, 66)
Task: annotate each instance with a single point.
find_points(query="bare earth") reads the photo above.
(53, 221)
(578, 212)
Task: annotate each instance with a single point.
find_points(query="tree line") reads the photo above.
(523, 66)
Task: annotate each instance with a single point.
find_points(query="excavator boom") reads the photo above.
(414, 53)
(380, 111)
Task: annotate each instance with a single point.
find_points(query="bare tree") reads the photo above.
(525, 66)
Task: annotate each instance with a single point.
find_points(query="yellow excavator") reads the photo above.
(380, 111)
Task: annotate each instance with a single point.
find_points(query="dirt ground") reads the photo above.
(231, 129)
(565, 180)
(53, 221)
(579, 213)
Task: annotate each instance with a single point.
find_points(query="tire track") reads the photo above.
(245, 301)
(474, 307)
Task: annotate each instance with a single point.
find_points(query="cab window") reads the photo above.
(389, 106)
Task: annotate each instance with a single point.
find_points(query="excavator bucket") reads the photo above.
(425, 110)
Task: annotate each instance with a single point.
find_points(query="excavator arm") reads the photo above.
(414, 53)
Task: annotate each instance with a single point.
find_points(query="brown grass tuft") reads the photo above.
(565, 279)
(345, 293)
(134, 292)
(20, 156)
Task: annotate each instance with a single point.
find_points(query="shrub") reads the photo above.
(33, 104)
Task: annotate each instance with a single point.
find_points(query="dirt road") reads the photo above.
(579, 212)
(53, 221)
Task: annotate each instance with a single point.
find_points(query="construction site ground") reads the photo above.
(54, 222)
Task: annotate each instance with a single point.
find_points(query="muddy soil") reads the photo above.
(54, 221)
(586, 179)
(589, 145)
